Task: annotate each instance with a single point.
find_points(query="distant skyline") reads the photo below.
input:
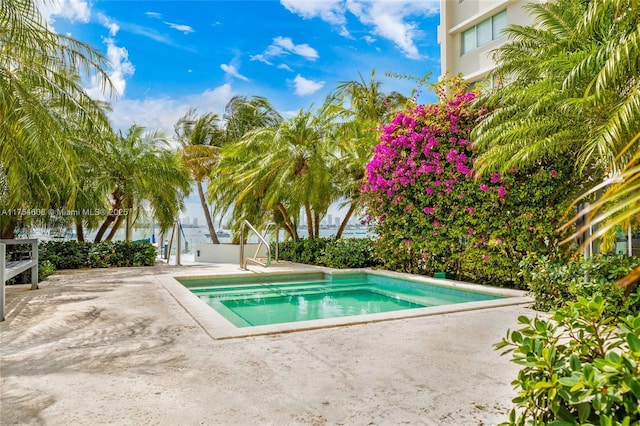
(169, 56)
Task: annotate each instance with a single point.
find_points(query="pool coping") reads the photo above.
(218, 327)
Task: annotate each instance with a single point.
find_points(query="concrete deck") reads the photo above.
(116, 347)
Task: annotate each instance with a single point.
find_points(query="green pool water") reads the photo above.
(248, 301)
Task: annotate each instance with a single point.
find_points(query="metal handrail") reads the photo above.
(243, 261)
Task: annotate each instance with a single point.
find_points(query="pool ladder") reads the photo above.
(261, 237)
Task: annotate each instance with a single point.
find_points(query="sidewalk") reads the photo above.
(114, 347)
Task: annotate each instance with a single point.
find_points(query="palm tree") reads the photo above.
(142, 172)
(574, 92)
(242, 115)
(42, 99)
(360, 109)
(292, 171)
(200, 138)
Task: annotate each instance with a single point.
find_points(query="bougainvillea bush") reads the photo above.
(433, 213)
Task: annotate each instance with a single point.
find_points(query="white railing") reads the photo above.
(254, 259)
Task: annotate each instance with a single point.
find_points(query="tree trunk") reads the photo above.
(103, 228)
(116, 226)
(79, 229)
(316, 225)
(310, 229)
(291, 228)
(207, 214)
(343, 225)
(8, 224)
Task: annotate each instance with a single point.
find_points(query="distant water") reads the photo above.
(193, 236)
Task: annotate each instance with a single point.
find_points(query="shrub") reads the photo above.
(555, 283)
(65, 254)
(349, 253)
(432, 212)
(45, 268)
(578, 367)
(331, 252)
(304, 250)
(106, 254)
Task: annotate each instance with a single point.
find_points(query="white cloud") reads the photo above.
(153, 15)
(331, 11)
(387, 19)
(286, 46)
(73, 10)
(232, 71)
(306, 87)
(186, 29)
(260, 58)
(111, 26)
(119, 69)
(164, 112)
(285, 67)
(303, 50)
(369, 39)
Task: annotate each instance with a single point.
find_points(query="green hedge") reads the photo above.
(76, 254)
(330, 252)
(556, 283)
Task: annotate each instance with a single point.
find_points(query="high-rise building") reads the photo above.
(470, 29)
(195, 222)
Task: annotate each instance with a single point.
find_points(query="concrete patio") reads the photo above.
(115, 347)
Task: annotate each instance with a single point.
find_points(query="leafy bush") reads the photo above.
(432, 212)
(106, 254)
(331, 252)
(304, 250)
(45, 268)
(554, 283)
(65, 254)
(349, 253)
(578, 367)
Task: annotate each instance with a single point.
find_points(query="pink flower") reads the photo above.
(408, 243)
(428, 210)
(498, 241)
(429, 191)
(483, 187)
(502, 191)
(485, 257)
(495, 178)
(470, 231)
(470, 210)
(553, 173)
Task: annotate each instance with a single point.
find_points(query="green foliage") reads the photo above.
(75, 254)
(305, 250)
(349, 253)
(65, 254)
(433, 213)
(330, 252)
(45, 268)
(578, 367)
(554, 282)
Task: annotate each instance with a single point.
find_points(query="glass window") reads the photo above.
(499, 22)
(469, 40)
(483, 33)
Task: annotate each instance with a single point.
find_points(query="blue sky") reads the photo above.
(169, 56)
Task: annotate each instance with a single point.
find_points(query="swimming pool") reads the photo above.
(271, 299)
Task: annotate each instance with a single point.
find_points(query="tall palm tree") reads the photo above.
(573, 92)
(200, 138)
(242, 115)
(142, 172)
(360, 108)
(40, 96)
(292, 171)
